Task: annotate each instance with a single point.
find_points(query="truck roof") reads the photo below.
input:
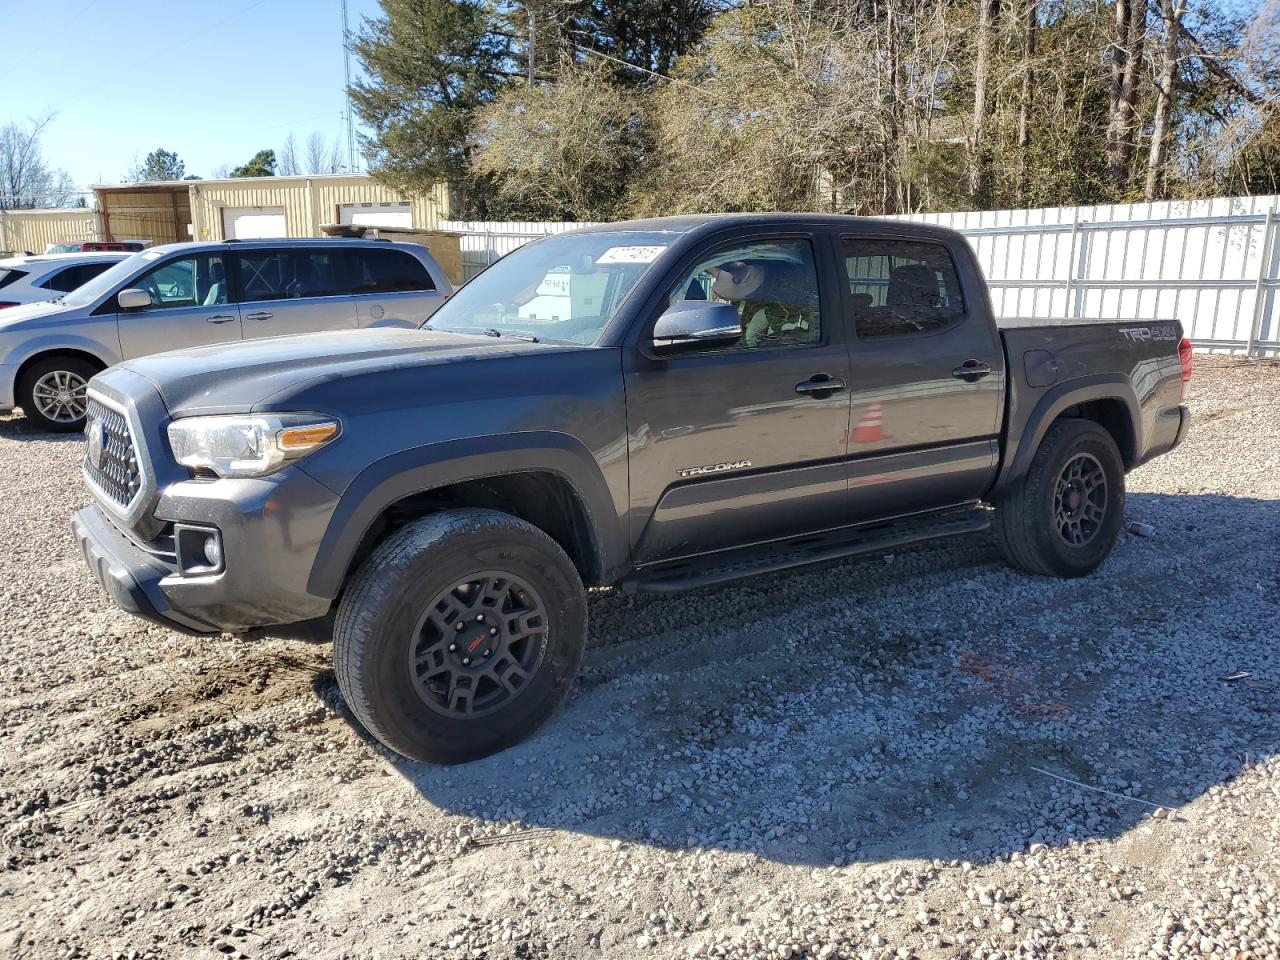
(706, 222)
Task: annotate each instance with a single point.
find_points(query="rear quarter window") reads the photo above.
(11, 276)
(387, 271)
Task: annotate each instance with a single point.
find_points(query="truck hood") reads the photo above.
(236, 378)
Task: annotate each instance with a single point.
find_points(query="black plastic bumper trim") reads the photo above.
(128, 574)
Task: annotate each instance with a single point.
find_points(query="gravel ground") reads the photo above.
(856, 761)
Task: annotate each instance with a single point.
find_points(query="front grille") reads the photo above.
(115, 470)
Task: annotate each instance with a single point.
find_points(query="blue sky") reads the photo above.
(213, 81)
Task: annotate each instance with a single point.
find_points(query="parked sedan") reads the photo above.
(36, 278)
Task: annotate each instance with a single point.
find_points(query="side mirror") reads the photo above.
(697, 323)
(133, 299)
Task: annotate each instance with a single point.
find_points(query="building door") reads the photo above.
(392, 214)
(252, 223)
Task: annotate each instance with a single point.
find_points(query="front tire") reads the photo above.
(460, 635)
(1062, 518)
(53, 393)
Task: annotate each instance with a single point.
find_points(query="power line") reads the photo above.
(135, 64)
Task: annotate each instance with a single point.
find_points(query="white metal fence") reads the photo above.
(1214, 264)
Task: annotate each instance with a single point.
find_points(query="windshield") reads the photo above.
(84, 295)
(564, 288)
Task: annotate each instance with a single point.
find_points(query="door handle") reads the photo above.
(971, 371)
(219, 318)
(261, 315)
(820, 385)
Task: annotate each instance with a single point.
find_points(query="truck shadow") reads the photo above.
(913, 707)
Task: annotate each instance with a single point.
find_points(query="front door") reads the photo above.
(745, 443)
(190, 306)
(927, 380)
(295, 290)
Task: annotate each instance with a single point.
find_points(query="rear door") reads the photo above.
(391, 287)
(927, 376)
(296, 289)
(190, 306)
(740, 444)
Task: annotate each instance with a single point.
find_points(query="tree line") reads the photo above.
(591, 109)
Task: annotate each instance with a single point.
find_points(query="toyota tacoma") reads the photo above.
(656, 405)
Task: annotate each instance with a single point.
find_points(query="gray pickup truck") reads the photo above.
(655, 405)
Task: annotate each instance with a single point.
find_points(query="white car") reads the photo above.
(47, 277)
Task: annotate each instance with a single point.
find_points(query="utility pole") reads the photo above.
(346, 90)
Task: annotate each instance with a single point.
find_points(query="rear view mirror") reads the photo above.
(697, 323)
(133, 299)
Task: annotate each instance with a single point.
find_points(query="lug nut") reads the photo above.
(493, 631)
(460, 625)
(479, 618)
(485, 654)
(453, 647)
(466, 661)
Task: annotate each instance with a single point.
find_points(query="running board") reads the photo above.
(725, 566)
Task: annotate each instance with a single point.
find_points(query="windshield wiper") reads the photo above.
(495, 332)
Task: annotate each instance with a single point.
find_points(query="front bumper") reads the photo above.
(270, 531)
(130, 575)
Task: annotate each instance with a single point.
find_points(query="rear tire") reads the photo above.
(460, 635)
(52, 393)
(1062, 518)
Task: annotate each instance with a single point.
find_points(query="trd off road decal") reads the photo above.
(1142, 334)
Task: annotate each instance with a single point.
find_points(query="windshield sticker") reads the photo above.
(630, 254)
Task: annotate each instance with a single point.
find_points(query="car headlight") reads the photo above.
(249, 445)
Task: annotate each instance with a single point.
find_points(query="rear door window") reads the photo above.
(64, 281)
(387, 271)
(290, 274)
(899, 287)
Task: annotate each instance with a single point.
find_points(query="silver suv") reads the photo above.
(199, 294)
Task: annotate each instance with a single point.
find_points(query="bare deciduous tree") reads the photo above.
(322, 155)
(1172, 12)
(288, 157)
(26, 179)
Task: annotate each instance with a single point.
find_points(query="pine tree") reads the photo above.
(430, 65)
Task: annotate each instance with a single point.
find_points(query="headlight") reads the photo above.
(251, 445)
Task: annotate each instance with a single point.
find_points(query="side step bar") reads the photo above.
(725, 566)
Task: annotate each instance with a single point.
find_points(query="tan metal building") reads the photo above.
(151, 212)
(252, 207)
(23, 231)
(299, 206)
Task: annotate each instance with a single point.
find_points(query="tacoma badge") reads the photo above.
(714, 468)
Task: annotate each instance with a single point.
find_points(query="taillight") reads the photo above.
(1184, 358)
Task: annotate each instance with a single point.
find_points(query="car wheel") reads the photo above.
(53, 393)
(1063, 517)
(460, 635)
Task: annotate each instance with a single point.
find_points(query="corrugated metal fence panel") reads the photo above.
(23, 230)
(1212, 264)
